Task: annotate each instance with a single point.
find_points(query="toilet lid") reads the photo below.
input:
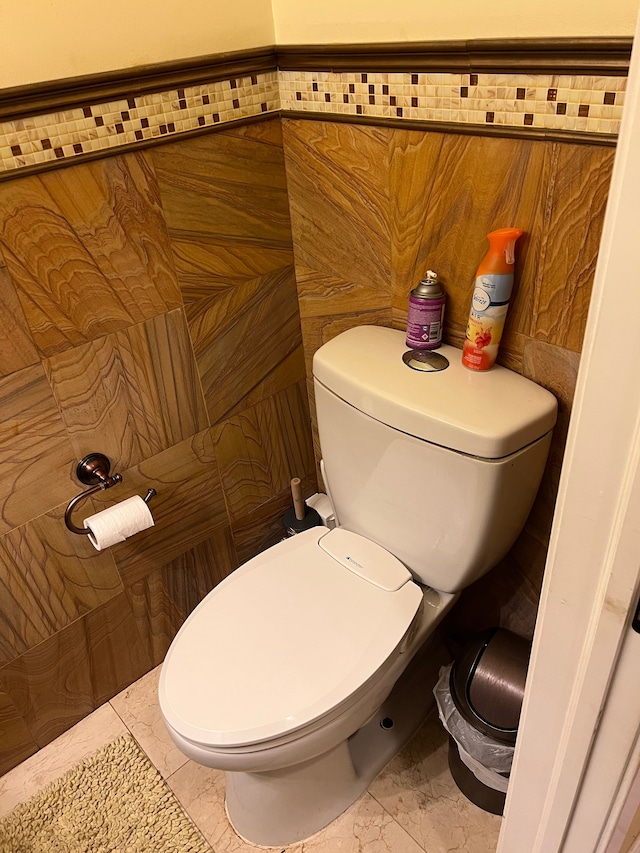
(286, 638)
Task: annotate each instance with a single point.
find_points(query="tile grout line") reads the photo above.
(397, 822)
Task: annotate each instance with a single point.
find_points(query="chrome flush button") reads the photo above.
(427, 361)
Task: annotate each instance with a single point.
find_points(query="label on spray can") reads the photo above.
(424, 324)
(486, 320)
(426, 313)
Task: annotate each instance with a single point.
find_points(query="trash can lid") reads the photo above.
(487, 682)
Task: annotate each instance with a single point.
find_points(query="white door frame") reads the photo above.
(576, 747)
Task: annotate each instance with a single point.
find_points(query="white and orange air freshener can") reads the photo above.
(490, 300)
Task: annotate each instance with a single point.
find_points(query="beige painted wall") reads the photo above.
(51, 39)
(348, 21)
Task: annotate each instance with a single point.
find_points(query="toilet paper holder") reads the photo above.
(95, 471)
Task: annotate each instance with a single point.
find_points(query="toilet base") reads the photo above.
(281, 807)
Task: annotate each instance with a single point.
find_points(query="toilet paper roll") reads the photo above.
(118, 522)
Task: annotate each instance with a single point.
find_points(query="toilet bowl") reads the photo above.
(328, 622)
(305, 671)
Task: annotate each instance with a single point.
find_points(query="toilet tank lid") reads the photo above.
(490, 414)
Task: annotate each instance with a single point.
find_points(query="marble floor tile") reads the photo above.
(200, 791)
(53, 760)
(138, 708)
(417, 789)
(364, 828)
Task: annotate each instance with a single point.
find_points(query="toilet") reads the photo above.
(303, 672)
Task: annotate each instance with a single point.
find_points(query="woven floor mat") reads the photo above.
(114, 800)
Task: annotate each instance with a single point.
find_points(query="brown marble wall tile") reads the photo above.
(483, 184)
(162, 600)
(317, 331)
(225, 201)
(36, 456)
(503, 597)
(556, 369)
(17, 349)
(339, 196)
(263, 526)
(208, 268)
(188, 508)
(262, 448)
(338, 178)
(527, 560)
(16, 743)
(221, 160)
(157, 617)
(267, 132)
(247, 342)
(447, 223)
(413, 169)
(48, 578)
(572, 228)
(189, 577)
(132, 394)
(88, 251)
(118, 653)
(54, 685)
(50, 685)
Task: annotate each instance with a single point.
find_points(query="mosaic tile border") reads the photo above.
(586, 104)
(583, 104)
(62, 136)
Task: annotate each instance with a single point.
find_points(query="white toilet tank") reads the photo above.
(440, 468)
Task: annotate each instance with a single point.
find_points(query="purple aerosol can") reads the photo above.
(426, 313)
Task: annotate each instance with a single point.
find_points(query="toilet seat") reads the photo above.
(286, 639)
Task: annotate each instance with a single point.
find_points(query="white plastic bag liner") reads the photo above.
(488, 777)
(476, 749)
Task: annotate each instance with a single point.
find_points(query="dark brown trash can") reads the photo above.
(487, 687)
